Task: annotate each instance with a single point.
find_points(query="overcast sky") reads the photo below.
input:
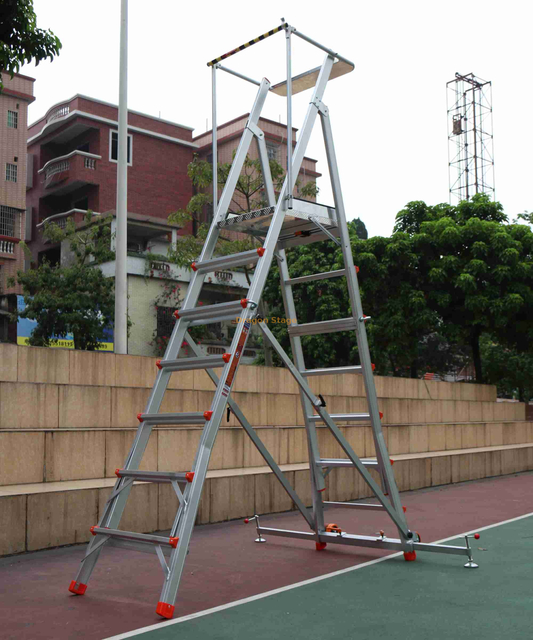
(388, 115)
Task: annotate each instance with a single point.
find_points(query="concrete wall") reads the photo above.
(67, 420)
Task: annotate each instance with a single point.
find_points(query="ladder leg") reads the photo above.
(357, 311)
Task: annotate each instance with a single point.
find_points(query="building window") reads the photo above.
(165, 321)
(272, 151)
(12, 119)
(113, 147)
(8, 219)
(11, 172)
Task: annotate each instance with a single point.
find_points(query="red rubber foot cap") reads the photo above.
(165, 610)
(78, 588)
(409, 556)
(320, 546)
(476, 536)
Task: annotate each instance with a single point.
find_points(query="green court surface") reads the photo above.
(433, 598)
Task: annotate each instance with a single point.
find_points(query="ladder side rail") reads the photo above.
(265, 169)
(258, 443)
(272, 236)
(203, 455)
(357, 311)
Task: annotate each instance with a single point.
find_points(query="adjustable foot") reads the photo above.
(471, 564)
(165, 610)
(259, 538)
(77, 587)
(320, 546)
(409, 556)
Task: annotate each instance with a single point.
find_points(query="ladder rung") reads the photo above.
(212, 311)
(332, 371)
(328, 326)
(137, 537)
(195, 417)
(187, 364)
(342, 417)
(155, 476)
(234, 260)
(316, 276)
(346, 462)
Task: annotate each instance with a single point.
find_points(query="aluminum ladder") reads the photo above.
(282, 225)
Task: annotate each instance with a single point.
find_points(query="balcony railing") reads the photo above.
(7, 245)
(59, 112)
(61, 218)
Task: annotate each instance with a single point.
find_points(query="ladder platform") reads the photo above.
(346, 462)
(188, 364)
(297, 228)
(155, 476)
(226, 262)
(307, 79)
(354, 505)
(342, 417)
(193, 417)
(331, 371)
(135, 537)
(327, 326)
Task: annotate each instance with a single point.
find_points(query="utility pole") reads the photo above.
(121, 241)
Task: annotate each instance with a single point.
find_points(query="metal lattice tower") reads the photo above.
(470, 137)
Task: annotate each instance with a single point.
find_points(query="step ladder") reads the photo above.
(284, 223)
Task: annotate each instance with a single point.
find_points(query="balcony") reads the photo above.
(58, 112)
(70, 172)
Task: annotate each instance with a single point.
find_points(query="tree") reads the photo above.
(20, 39)
(476, 270)
(510, 370)
(77, 298)
(249, 195)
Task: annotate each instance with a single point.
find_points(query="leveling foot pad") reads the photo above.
(409, 556)
(320, 546)
(165, 610)
(78, 588)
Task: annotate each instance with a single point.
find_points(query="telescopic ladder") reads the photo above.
(284, 223)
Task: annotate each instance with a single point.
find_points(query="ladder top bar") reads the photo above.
(248, 44)
(282, 27)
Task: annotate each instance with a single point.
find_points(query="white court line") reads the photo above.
(273, 592)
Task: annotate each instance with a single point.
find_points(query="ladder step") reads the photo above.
(342, 417)
(187, 364)
(194, 417)
(328, 326)
(332, 371)
(136, 537)
(316, 276)
(212, 312)
(346, 462)
(155, 476)
(225, 262)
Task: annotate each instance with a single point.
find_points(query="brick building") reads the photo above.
(14, 100)
(72, 159)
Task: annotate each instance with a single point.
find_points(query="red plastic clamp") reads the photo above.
(189, 476)
(244, 303)
(176, 314)
(194, 267)
(77, 587)
(139, 417)
(158, 364)
(261, 252)
(165, 610)
(226, 357)
(207, 415)
(173, 542)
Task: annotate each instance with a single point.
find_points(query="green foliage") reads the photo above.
(510, 370)
(20, 39)
(77, 298)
